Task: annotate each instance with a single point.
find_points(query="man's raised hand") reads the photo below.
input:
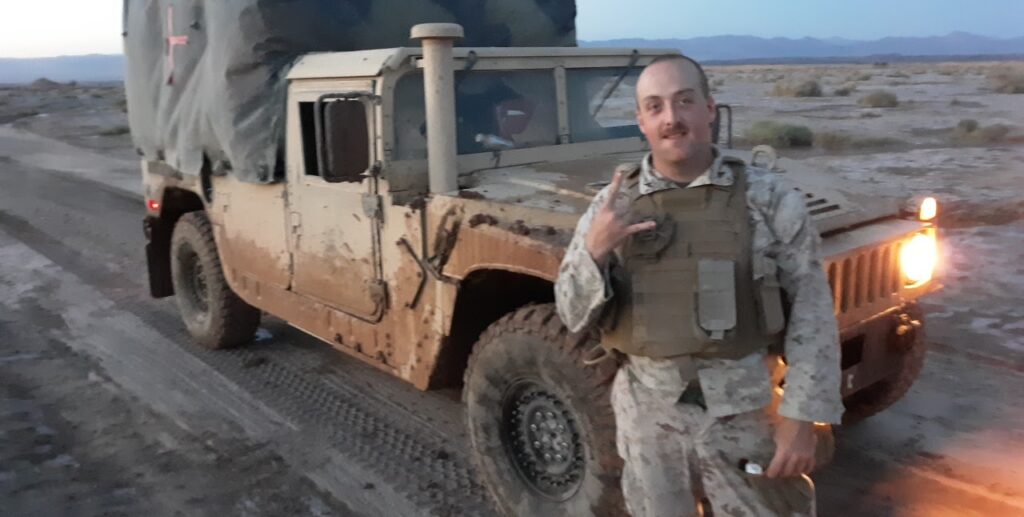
(609, 229)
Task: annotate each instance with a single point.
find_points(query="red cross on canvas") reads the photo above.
(172, 41)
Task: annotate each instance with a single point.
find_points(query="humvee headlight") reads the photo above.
(929, 209)
(918, 258)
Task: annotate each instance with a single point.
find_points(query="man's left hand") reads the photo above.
(794, 448)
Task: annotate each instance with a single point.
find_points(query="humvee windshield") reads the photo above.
(499, 110)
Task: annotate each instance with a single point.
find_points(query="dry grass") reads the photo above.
(845, 90)
(778, 134)
(835, 141)
(879, 99)
(969, 131)
(1005, 80)
(808, 88)
(115, 131)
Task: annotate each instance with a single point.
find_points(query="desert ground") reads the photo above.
(107, 409)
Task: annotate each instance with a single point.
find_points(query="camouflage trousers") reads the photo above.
(675, 454)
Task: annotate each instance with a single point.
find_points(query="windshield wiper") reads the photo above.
(633, 58)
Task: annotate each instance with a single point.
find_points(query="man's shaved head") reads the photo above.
(675, 110)
(683, 61)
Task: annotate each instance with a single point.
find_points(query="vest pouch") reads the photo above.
(769, 297)
(716, 297)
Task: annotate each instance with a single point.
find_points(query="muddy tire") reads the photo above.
(883, 394)
(213, 314)
(528, 394)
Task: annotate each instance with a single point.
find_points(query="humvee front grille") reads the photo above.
(868, 279)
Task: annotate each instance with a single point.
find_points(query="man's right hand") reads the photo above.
(609, 229)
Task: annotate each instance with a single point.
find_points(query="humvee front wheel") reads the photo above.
(213, 314)
(540, 421)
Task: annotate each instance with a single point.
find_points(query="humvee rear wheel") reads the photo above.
(881, 395)
(213, 314)
(540, 421)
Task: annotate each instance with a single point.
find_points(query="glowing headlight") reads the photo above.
(918, 258)
(929, 209)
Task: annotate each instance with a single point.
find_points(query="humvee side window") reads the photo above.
(340, 151)
(345, 152)
(308, 122)
(495, 110)
(602, 103)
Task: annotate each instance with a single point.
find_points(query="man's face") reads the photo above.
(672, 112)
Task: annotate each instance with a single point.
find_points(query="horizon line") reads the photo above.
(588, 40)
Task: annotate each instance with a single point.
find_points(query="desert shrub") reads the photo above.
(967, 125)
(1006, 81)
(845, 90)
(835, 141)
(968, 131)
(870, 114)
(880, 64)
(808, 88)
(778, 134)
(115, 131)
(718, 82)
(879, 99)
(832, 141)
(899, 75)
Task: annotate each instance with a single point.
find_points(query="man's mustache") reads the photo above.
(674, 130)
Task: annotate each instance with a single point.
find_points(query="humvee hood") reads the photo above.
(565, 189)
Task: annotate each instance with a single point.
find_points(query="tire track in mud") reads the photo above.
(434, 473)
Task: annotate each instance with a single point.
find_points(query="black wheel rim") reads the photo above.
(542, 440)
(196, 290)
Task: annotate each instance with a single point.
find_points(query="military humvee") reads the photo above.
(428, 200)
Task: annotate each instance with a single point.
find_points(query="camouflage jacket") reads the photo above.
(782, 232)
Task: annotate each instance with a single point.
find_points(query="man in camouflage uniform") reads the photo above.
(686, 424)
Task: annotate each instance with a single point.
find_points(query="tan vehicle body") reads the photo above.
(407, 280)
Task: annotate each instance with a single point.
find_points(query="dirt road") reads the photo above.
(106, 408)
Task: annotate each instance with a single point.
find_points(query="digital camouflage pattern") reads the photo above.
(204, 79)
(674, 453)
(784, 235)
(661, 439)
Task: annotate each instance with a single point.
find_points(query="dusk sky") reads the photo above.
(57, 27)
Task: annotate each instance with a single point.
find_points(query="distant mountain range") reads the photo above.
(93, 67)
(750, 48)
(956, 45)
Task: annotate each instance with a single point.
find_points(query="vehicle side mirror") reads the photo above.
(344, 140)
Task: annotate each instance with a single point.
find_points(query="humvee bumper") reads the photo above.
(872, 350)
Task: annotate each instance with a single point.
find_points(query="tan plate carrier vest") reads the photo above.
(687, 287)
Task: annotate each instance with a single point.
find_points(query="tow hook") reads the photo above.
(906, 331)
